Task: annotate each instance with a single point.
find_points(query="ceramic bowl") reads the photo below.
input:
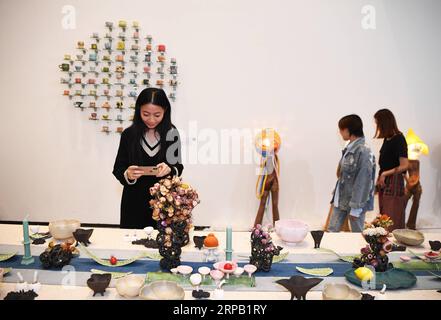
(162, 290)
(291, 230)
(129, 286)
(405, 258)
(195, 279)
(222, 264)
(337, 291)
(238, 272)
(63, 229)
(204, 271)
(216, 275)
(432, 255)
(184, 270)
(99, 282)
(250, 269)
(408, 237)
(82, 235)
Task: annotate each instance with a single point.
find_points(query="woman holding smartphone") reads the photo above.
(151, 141)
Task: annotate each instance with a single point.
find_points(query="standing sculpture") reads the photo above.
(267, 186)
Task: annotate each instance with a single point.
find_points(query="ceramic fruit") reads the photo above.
(211, 241)
(113, 261)
(364, 274)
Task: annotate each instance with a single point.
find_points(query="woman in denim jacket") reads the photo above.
(354, 192)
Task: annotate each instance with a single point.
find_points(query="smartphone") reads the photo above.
(149, 171)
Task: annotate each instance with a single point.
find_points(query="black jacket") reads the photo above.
(135, 209)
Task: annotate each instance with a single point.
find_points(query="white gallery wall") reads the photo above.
(296, 66)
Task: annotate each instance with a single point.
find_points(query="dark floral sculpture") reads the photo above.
(57, 256)
(172, 203)
(262, 249)
(377, 237)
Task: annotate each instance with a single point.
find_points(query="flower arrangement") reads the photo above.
(377, 236)
(173, 202)
(262, 248)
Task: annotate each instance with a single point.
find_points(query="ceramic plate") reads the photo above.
(318, 272)
(280, 257)
(394, 279)
(106, 262)
(7, 256)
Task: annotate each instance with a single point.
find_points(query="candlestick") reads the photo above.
(27, 257)
(229, 247)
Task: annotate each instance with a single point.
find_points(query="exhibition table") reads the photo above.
(71, 283)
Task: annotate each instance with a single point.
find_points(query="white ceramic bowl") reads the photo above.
(238, 272)
(184, 270)
(63, 229)
(291, 230)
(195, 279)
(129, 286)
(250, 268)
(408, 237)
(204, 271)
(337, 291)
(162, 290)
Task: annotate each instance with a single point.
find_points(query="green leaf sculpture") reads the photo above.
(7, 256)
(280, 257)
(119, 263)
(318, 272)
(115, 275)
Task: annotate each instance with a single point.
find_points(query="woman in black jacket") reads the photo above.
(152, 140)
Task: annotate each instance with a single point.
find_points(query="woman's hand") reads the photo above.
(381, 181)
(133, 172)
(163, 169)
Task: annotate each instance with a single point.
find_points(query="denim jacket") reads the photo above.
(357, 178)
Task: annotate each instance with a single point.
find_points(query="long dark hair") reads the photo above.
(386, 124)
(157, 97)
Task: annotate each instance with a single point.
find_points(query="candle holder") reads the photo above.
(27, 257)
(229, 254)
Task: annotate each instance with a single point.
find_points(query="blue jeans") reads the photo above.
(338, 218)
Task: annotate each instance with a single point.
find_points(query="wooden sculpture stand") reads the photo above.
(271, 185)
(413, 190)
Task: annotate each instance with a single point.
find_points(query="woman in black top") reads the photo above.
(393, 164)
(152, 140)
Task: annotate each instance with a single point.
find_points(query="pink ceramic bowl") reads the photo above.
(222, 264)
(291, 230)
